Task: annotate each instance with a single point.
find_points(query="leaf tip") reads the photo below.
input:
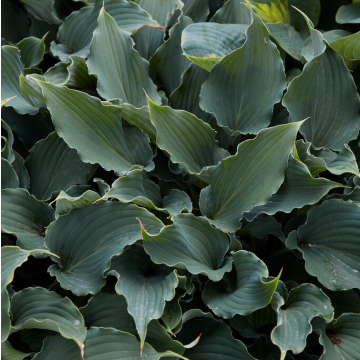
(97, 201)
(141, 225)
(3, 102)
(147, 97)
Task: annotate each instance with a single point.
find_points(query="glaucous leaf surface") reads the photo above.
(25, 217)
(335, 263)
(242, 89)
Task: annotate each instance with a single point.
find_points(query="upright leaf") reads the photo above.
(328, 98)
(237, 92)
(233, 12)
(32, 50)
(87, 238)
(243, 290)
(335, 263)
(190, 243)
(257, 162)
(145, 286)
(9, 178)
(104, 141)
(125, 73)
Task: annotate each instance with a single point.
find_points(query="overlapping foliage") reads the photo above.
(180, 179)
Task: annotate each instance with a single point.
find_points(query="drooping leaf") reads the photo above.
(11, 68)
(187, 95)
(168, 61)
(109, 344)
(327, 160)
(293, 325)
(206, 44)
(335, 263)
(43, 309)
(332, 105)
(9, 178)
(106, 141)
(143, 192)
(225, 205)
(243, 290)
(349, 13)
(216, 341)
(43, 10)
(32, 50)
(21, 172)
(90, 237)
(114, 79)
(73, 75)
(147, 39)
(53, 166)
(9, 353)
(341, 338)
(190, 243)
(237, 91)
(298, 189)
(75, 34)
(25, 217)
(11, 258)
(189, 141)
(66, 202)
(145, 286)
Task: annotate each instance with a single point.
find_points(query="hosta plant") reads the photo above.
(180, 180)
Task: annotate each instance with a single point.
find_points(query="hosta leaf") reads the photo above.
(141, 191)
(223, 204)
(344, 301)
(66, 202)
(11, 69)
(106, 141)
(76, 32)
(110, 311)
(73, 75)
(348, 47)
(349, 13)
(186, 96)
(190, 243)
(326, 160)
(147, 39)
(54, 166)
(60, 347)
(7, 142)
(32, 50)
(11, 30)
(145, 286)
(189, 141)
(114, 79)
(216, 341)
(354, 195)
(341, 338)
(11, 258)
(43, 309)
(9, 178)
(335, 264)
(243, 290)
(43, 10)
(237, 91)
(110, 344)
(9, 353)
(25, 217)
(87, 238)
(233, 12)
(332, 105)
(285, 24)
(21, 172)
(293, 325)
(168, 61)
(197, 10)
(298, 189)
(206, 44)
